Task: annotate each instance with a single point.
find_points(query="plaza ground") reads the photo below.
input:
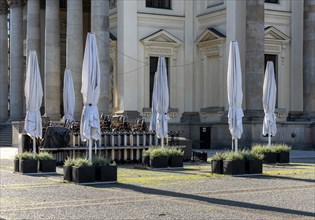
(283, 192)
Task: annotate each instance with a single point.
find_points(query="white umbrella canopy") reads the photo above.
(90, 121)
(269, 102)
(33, 96)
(68, 96)
(162, 96)
(235, 94)
(154, 103)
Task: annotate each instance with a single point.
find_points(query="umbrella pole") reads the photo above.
(34, 145)
(90, 149)
(269, 139)
(232, 145)
(95, 148)
(162, 142)
(236, 145)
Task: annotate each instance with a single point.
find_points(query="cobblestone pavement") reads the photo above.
(282, 192)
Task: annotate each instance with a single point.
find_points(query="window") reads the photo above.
(164, 4)
(273, 58)
(272, 1)
(153, 66)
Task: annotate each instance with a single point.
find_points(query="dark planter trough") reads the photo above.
(270, 157)
(159, 162)
(28, 166)
(233, 167)
(146, 161)
(67, 173)
(16, 165)
(106, 173)
(253, 166)
(283, 157)
(217, 166)
(47, 166)
(83, 174)
(176, 161)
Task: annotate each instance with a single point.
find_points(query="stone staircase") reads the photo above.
(5, 135)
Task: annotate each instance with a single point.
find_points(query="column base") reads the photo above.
(131, 115)
(253, 115)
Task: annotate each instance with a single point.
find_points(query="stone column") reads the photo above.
(52, 60)
(33, 27)
(16, 59)
(3, 61)
(309, 59)
(255, 56)
(75, 50)
(100, 26)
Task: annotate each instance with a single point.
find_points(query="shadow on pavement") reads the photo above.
(216, 201)
(277, 177)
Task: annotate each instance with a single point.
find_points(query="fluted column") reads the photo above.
(75, 50)
(99, 26)
(3, 61)
(52, 59)
(309, 59)
(254, 56)
(16, 59)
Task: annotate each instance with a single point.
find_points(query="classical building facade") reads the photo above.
(194, 37)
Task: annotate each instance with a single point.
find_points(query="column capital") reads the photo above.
(4, 8)
(16, 3)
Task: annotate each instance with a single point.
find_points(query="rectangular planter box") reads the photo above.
(283, 157)
(176, 161)
(253, 166)
(217, 166)
(158, 162)
(67, 173)
(106, 173)
(270, 158)
(47, 165)
(146, 161)
(233, 167)
(28, 166)
(83, 174)
(16, 165)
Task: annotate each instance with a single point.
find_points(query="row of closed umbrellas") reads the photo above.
(90, 123)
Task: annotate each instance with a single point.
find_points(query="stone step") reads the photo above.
(6, 135)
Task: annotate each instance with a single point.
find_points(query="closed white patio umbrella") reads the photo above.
(154, 103)
(33, 96)
(269, 102)
(90, 121)
(68, 96)
(162, 104)
(235, 94)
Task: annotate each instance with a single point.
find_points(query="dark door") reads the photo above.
(205, 137)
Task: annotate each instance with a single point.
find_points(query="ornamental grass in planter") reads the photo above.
(175, 157)
(233, 163)
(217, 163)
(28, 162)
(270, 156)
(105, 171)
(253, 162)
(83, 171)
(158, 158)
(67, 169)
(46, 161)
(283, 153)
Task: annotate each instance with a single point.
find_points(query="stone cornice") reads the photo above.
(4, 8)
(16, 3)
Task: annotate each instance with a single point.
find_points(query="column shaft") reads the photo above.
(309, 59)
(52, 59)
(16, 61)
(254, 54)
(100, 26)
(75, 50)
(33, 28)
(3, 61)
